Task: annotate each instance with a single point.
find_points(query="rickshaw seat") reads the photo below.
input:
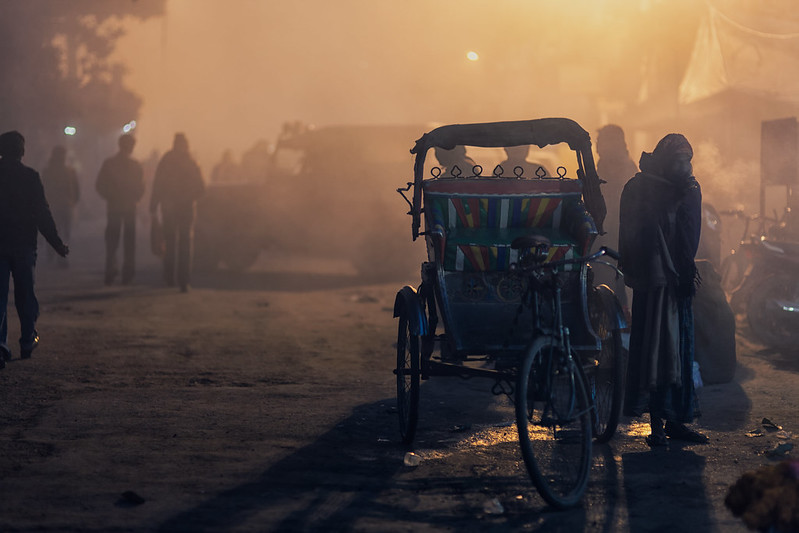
(472, 222)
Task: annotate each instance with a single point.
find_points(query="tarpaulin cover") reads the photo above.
(744, 55)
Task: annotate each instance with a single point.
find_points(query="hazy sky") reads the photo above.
(231, 73)
(228, 73)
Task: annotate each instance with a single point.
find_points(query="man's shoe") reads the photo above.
(682, 432)
(25, 353)
(5, 354)
(655, 439)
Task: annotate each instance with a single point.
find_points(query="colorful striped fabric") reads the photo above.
(473, 221)
(479, 258)
(495, 212)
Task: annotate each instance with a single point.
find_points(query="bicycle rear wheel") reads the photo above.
(554, 422)
(408, 371)
(606, 378)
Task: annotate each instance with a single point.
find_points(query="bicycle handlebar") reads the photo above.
(604, 250)
(739, 213)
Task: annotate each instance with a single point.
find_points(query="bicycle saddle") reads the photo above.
(530, 241)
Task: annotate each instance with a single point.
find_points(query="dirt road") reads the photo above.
(265, 402)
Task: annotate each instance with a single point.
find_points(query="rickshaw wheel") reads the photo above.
(408, 371)
(554, 423)
(605, 381)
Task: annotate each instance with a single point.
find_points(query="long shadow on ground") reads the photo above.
(353, 478)
(658, 482)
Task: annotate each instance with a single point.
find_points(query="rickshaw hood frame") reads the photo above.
(539, 132)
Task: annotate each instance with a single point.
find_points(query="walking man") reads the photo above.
(121, 184)
(177, 186)
(24, 213)
(63, 191)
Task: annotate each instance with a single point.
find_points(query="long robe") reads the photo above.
(660, 223)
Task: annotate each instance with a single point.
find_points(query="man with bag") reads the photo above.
(121, 184)
(177, 186)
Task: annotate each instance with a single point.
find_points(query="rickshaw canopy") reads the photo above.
(539, 132)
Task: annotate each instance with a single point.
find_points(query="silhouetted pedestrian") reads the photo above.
(121, 184)
(24, 213)
(660, 224)
(614, 167)
(516, 156)
(454, 163)
(63, 192)
(177, 185)
(227, 169)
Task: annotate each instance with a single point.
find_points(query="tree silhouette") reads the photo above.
(56, 68)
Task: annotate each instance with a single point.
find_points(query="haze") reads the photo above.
(231, 73)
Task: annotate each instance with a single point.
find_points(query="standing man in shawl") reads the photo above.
(177, 185)
(660, 223)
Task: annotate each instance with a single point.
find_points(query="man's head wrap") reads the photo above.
(668, 147)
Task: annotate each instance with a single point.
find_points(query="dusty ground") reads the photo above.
(265, 402)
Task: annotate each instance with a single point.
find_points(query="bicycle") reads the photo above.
(554, 407)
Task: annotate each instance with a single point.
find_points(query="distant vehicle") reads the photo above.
(328, 191)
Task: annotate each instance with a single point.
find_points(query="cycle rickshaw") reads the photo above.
(507, 294)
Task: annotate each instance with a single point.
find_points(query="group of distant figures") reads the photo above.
(31, 204)
(455, 163)
(177, 185)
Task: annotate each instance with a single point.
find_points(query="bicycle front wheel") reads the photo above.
(554, 422)
(605, 379)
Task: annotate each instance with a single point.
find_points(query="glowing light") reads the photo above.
(130, 126)
(472, 55)
(70, 130)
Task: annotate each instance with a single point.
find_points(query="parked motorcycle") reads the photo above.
(762, 277)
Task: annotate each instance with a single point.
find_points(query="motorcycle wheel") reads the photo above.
(733, 268)
(770, 319)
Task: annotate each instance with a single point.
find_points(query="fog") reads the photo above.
(230, 73)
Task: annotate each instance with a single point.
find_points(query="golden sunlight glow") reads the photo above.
(472, 55)
(636, 429)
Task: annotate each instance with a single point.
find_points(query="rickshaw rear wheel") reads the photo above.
(605, 380)
(554, 422)
(408, 372)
